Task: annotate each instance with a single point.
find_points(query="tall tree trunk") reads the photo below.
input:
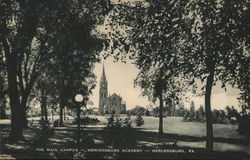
(44, 109)
(25, 94)
(46, 112)
(64, 114)
(52, 113)
(61, 113)
(22, 39)
(160, 114)
(78, 118)
(62, 103)
(42, 113)
(209, 117)
(16, 124)
(78, 126)
(11, 61)
(23, 111)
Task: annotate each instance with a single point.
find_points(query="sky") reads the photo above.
(120, 77)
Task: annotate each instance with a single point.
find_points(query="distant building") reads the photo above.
(109, 104)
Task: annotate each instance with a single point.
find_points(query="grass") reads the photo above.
(152, 145)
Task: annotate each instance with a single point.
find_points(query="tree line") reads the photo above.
(191, 114)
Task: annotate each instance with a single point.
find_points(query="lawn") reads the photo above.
(143, 142)
(176, 125)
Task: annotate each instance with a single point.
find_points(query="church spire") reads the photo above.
(103, 91)
(103, 69)
(103, 77)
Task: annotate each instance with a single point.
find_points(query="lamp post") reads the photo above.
(78, 99)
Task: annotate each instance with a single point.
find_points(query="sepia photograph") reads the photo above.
(125, 79)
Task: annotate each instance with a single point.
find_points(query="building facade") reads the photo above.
(109, 104)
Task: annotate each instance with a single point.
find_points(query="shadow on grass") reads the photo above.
(151, 145)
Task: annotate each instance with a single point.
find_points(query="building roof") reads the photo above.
(115, 95)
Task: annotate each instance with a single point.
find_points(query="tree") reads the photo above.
(200, 114)
(75, 44)
(232, 113)
(21, 25)
(155, 86)
(147, 113)
(151, 33)
(45, 93)
(215, 49)
(219, 116)
(186, 115)
(243, 83)
(181, 110)
(68, 76)
(16, 38)
(150, 37)
(192, 111)
(138, 110)
(139, 120)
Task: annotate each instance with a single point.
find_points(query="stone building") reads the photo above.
(109, 104)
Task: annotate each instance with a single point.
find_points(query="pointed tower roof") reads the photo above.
(103, 77)
(103, 69)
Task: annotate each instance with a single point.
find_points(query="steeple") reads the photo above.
(103, 91)
(103, 77)
(103, 69)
